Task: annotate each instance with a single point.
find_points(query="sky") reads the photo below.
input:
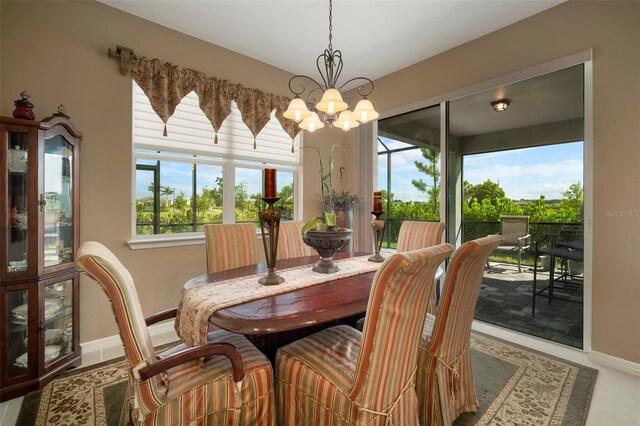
(523, 173)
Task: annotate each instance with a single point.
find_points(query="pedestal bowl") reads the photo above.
(327, 243)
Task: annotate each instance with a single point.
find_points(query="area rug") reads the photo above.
(515, 386)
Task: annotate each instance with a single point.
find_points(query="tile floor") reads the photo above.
(616, 397)
(505, 300)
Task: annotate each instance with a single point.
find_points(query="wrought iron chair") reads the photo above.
(226, 381)
(231, 246)
(515, 230)
(342, 376)
(444, 383)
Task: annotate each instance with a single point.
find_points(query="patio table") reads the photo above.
(567, 250)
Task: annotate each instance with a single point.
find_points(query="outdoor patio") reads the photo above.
(506, 298)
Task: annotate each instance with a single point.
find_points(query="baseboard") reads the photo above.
(614, 362)
(114, 341)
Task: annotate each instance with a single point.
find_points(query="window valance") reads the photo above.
(165, 85)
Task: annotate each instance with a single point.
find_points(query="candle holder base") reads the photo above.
(270, 228)
(378, 226)
(271, 278)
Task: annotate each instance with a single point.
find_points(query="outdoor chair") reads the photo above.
(444, 383)
(226, 381)
(290, 242)
(231, 246)
(515, 230)
(342, 376)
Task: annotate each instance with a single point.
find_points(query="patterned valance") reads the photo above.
(165, 85)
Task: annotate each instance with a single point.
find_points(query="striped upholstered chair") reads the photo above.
(415, 235)
(231, 246)
(342, 376)
(444, 384)
(227, 381)
(290, 242)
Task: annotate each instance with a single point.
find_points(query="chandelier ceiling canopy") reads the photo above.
(332, 108)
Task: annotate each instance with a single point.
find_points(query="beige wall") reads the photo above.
(57, 51)
(612, 29)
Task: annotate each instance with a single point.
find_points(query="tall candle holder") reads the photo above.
(378, 225)
(270, 225)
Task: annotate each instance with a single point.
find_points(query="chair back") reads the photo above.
(290, 242)
(100, 264)
(452, 327)
(513, 227)
(231, 246)
(414, 235)
(393, 326)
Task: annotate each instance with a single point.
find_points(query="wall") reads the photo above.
(612, 29)
(58, 52)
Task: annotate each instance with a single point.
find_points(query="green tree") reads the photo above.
(181, 202)
(571, 208)
(430, 168)
(488, 189)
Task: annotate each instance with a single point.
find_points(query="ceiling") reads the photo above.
(549, 98)
(376, 37)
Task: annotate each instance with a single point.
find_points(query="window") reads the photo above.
(409, 169)
(184, 180)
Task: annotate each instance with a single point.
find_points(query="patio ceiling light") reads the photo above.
(500, 105)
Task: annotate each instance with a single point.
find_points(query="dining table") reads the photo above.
(321, 303)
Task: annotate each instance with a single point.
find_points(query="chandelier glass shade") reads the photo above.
(332, 109)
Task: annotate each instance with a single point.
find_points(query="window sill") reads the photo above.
(157, 241)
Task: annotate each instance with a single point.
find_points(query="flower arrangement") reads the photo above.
(328, 197)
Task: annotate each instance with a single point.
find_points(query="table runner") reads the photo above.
(199, 303)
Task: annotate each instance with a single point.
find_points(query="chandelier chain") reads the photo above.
(330, 24)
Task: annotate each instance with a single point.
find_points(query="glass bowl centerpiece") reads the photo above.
(322, 233)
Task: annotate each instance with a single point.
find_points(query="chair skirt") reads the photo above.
(442, 394)
(314, 376)
(204, 393)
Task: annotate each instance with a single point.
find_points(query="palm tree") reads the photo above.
(167, 190)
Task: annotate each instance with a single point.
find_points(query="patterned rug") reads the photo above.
(515, 386)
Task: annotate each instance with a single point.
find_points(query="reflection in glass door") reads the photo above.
(58, 201)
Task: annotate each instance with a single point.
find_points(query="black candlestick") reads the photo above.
(270, 225)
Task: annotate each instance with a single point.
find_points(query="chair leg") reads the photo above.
(519, 261)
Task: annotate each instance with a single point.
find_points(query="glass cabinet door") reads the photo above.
(58, 320)
(58, 201)
(17, 202)
(17, 338)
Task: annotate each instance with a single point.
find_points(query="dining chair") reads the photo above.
(226, 381)
(231, 246)
(415, 235)
(444, 383)
(290, 242)
(342, 376)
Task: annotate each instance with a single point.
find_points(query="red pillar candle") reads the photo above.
(270, 183)
(377, 201)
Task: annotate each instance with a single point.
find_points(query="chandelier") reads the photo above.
(333, 109)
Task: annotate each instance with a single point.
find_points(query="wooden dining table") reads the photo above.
(314, 305)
